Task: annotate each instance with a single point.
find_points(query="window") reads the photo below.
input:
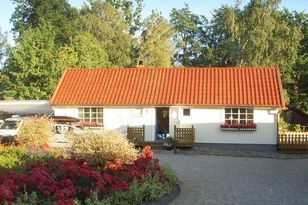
(238, 115)
(91, 114)
(186, 112)
(137, 112)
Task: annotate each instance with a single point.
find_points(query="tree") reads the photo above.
(106, 24)
(131, 12)
(190, 37)
(257, 35)
(156, 46)
(58, 13)
(298, 85)
(32, 71)
(84, 51)
(4, 47)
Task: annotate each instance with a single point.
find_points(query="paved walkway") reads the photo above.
(238, 180)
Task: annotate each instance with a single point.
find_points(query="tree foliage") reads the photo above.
(107, 25)
(52, 35)
(83, 51)
(58, 13)
(32, 68)
(131, 12)
(155, 46)
(253, 36)
(298, 85)
(4, 46)
(190, 37)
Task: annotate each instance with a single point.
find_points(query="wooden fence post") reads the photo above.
(174, 144)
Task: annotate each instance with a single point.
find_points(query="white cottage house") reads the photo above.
(225, 105)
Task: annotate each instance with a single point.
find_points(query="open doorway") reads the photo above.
(162, 123)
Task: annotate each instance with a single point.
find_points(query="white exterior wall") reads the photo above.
(207, 126)
(206, 121)
(116, 118)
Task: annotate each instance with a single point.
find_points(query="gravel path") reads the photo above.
(224, 180)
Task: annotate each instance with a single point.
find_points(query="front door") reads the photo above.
(162, 122)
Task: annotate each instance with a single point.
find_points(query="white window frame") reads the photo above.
(239, 115)
(91, 114)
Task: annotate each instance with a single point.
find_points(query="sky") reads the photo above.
(204, 7)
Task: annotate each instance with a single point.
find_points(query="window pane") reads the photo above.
(100, 115)
(93, 109)
(250, 111)
(234, 116)
(186, 112)
(243, 121)
(87, 109)
(228, 121)
(234, 110)
(249, 116)
(228, 110)
(242, 116)
(87, 115)
(100, 109)
(243, 111)
(249, 121)
(234, 121)
(228, 117)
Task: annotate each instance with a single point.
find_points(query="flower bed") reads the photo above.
(72, 181)
(236, 127)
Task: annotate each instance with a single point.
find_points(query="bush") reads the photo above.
(15, 157)
(171, 177)
(298, 128)
(12, 157)
(35, 131)
(100, 148)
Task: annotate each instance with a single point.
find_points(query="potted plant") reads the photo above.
(169, 142)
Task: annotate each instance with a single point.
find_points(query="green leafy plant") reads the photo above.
(13, 157)
(26, 199)
(169, 142)
(298, 128)
(171, 177)
(283, 124)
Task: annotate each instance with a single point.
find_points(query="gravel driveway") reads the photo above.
(225, 180)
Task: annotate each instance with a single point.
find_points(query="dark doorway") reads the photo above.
(162, 122)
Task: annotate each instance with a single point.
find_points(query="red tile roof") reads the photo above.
(239, 86)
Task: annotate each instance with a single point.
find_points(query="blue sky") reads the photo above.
(204, 7)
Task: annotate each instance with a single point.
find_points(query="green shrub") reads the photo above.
(152, 188)
(283, 124)
(133, 196)
(26, 199)
(35, 131)
(15, 157)
(12, 157)
(170, 176)
(100, 148)
(148, 189)
(298, 128)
